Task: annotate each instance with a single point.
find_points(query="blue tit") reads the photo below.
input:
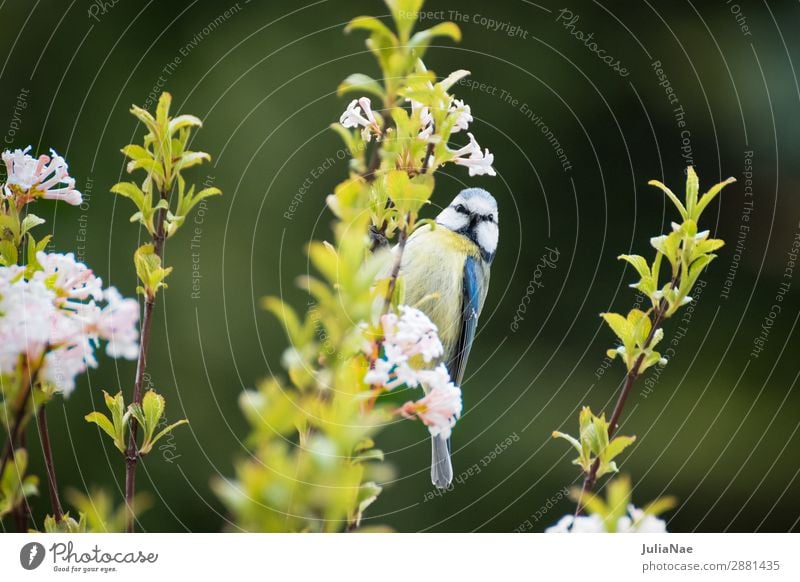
(446, 274)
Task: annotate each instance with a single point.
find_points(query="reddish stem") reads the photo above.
(47, 451)
(132, 454)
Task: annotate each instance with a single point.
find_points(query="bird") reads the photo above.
(446, 270)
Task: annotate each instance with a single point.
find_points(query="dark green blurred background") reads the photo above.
(718, 428)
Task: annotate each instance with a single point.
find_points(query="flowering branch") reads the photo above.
(54, 313)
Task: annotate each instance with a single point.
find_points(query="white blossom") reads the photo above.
(29, 178)
(67, 277)
(412, 334)
(27, 318)
(116, 323)
(58, 316)
(581, 524)
(479, 162)
(410, 341)
(636, 521)
(640, 522)
(441, 406)
(423, 112)
(354, 118)
(463, 115)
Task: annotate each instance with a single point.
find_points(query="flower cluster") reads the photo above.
(440, 407)
(29, 178)
(634, 521)
(410, 344)
(456, 116)
(51, 314)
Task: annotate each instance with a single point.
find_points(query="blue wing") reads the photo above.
(471, 304)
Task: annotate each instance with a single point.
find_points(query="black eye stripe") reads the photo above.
(461, 209)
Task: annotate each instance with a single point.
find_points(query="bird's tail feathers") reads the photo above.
(441, 467)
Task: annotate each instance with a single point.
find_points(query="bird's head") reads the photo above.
(473, 213)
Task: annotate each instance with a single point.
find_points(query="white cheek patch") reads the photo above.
(487, 234)
(451, 219)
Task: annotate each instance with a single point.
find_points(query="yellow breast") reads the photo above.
(433, 275)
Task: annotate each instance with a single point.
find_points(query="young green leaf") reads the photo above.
(149, 270)
(678, 204)
(360, 83)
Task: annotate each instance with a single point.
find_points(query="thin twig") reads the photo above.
(428, 154)
(132, 454)
(630, 380)
(401, 246)
(52, 484)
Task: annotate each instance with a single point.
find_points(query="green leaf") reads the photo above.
(570, 439)
(369, 455)
(681, 208)
(15, 486)
(709, 196)
(370, 24)
(409, 195)
(8, 253)
(367, 494)
(190, 159)
(405, 14)
(297, 333)
(452, 79)
(168, 430)
(30, 221)
(102, 421)
(325, 258)
(148, 414)
(616, 446)
(660, 505)
(149, 270)
(359, 83)
(10, 226)
(349, 139)
(116, 426)
(162, 109)
(594, 504)
(696, 268)
(641, 325)
(669, 245)
(708, 246)
(183, 121)
(621, 327)
(144, 116)
(420, 41)
(692, 189)
(137, 152)
(67, 524)
(595, 434)
(153, 406)
(639, 263)
(131, 191)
